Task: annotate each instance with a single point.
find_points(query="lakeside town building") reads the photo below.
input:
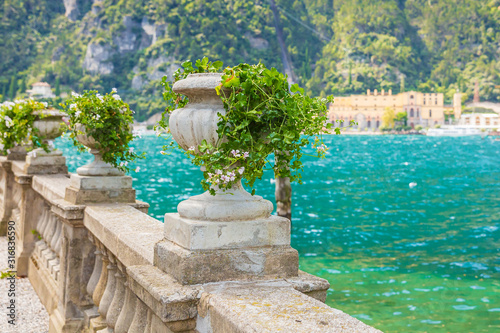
(41, 90)
(424, 109)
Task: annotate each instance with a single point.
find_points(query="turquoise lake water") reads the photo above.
(421, 259)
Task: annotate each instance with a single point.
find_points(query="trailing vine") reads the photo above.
(264, 116)
(108, 120)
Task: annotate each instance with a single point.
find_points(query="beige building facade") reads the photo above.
(425, 109)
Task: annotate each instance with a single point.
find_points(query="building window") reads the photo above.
(378, 123)
(411, 96)
(411, 113)
(430, 113)
(369, 124)
(477, 121)
(436, 101)
(418, 114)
(487, 121)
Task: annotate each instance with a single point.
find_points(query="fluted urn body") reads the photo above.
(196, 122)
(97, 167)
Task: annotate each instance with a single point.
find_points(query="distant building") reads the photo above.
(485, 115)
(41, 90)
(425, 109)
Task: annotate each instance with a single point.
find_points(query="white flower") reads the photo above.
(192, 148)
(137, 169)
(74, 94)
(114, 90)
(131, 150)
(8, 151)
(124, 163)
(32, 153)
(322, 148)
(72, 106)
(8, 122)
(117, 97)
(77, 113)
(45, 104)
(218, 172)
(241, 170)
(163, 152)
(51, 143)
(246, 154)
(97, 117)
(236, 153)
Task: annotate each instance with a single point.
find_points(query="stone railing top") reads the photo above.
(125, 231)
(270, 307)
(51, 187)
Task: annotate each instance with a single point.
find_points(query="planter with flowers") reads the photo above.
(229, 121)
(27, 127)
(102, 125)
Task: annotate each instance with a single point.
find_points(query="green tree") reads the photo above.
(12, 87)
(388, 118)
(57, 88)
(22, 87)
(401, 118)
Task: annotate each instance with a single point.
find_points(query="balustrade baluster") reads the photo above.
(42, 222)
(96, 273)
(57, 234)
(109, 292)
(119, 296)
(51, 227)
(140, 318)
(127, 314)
(149, 320)
(101, 285)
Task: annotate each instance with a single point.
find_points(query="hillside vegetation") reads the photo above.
(335, 46)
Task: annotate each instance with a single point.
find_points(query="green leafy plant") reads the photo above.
(264, 116)
(17, 124)
(107, 119)
(6, 274)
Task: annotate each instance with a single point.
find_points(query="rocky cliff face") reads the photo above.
(96, 59)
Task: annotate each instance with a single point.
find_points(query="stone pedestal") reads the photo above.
(40, 162)
(99, 189)
(197, 252)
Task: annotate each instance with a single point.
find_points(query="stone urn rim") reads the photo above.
(197, 84)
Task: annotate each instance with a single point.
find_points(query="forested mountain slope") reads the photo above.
(335, 46)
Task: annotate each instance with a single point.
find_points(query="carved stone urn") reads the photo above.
(49, 124)
(228, 236)
(97, 167)
(196, 122)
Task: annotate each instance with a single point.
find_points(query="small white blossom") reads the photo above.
(192, 148)
(131, 150)
(8, 122)
(72, 106)
(322, 148)
(137, 169)
(117, 97)
(163, 152)
(77, 113)
(246, 154)
(124, 163)
(114, 90)
(45, 104)
(97, 117)
(218, 172)
(236, 153)
(74, 94)
(241, 170)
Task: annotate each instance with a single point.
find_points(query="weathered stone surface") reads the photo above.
(269, 307)
(100, 182)
(194, 267)
(310, 285)
(165, 296)
(97, 59)
(125, 231)
(51, 187)
(45, 164)
(80, 197)
(211, 235)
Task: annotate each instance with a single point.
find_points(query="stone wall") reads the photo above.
(102, 265)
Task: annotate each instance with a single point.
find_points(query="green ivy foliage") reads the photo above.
(263, 117)
(108, 120)
(17, 125)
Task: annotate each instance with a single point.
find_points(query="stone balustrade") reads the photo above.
(100, 263)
